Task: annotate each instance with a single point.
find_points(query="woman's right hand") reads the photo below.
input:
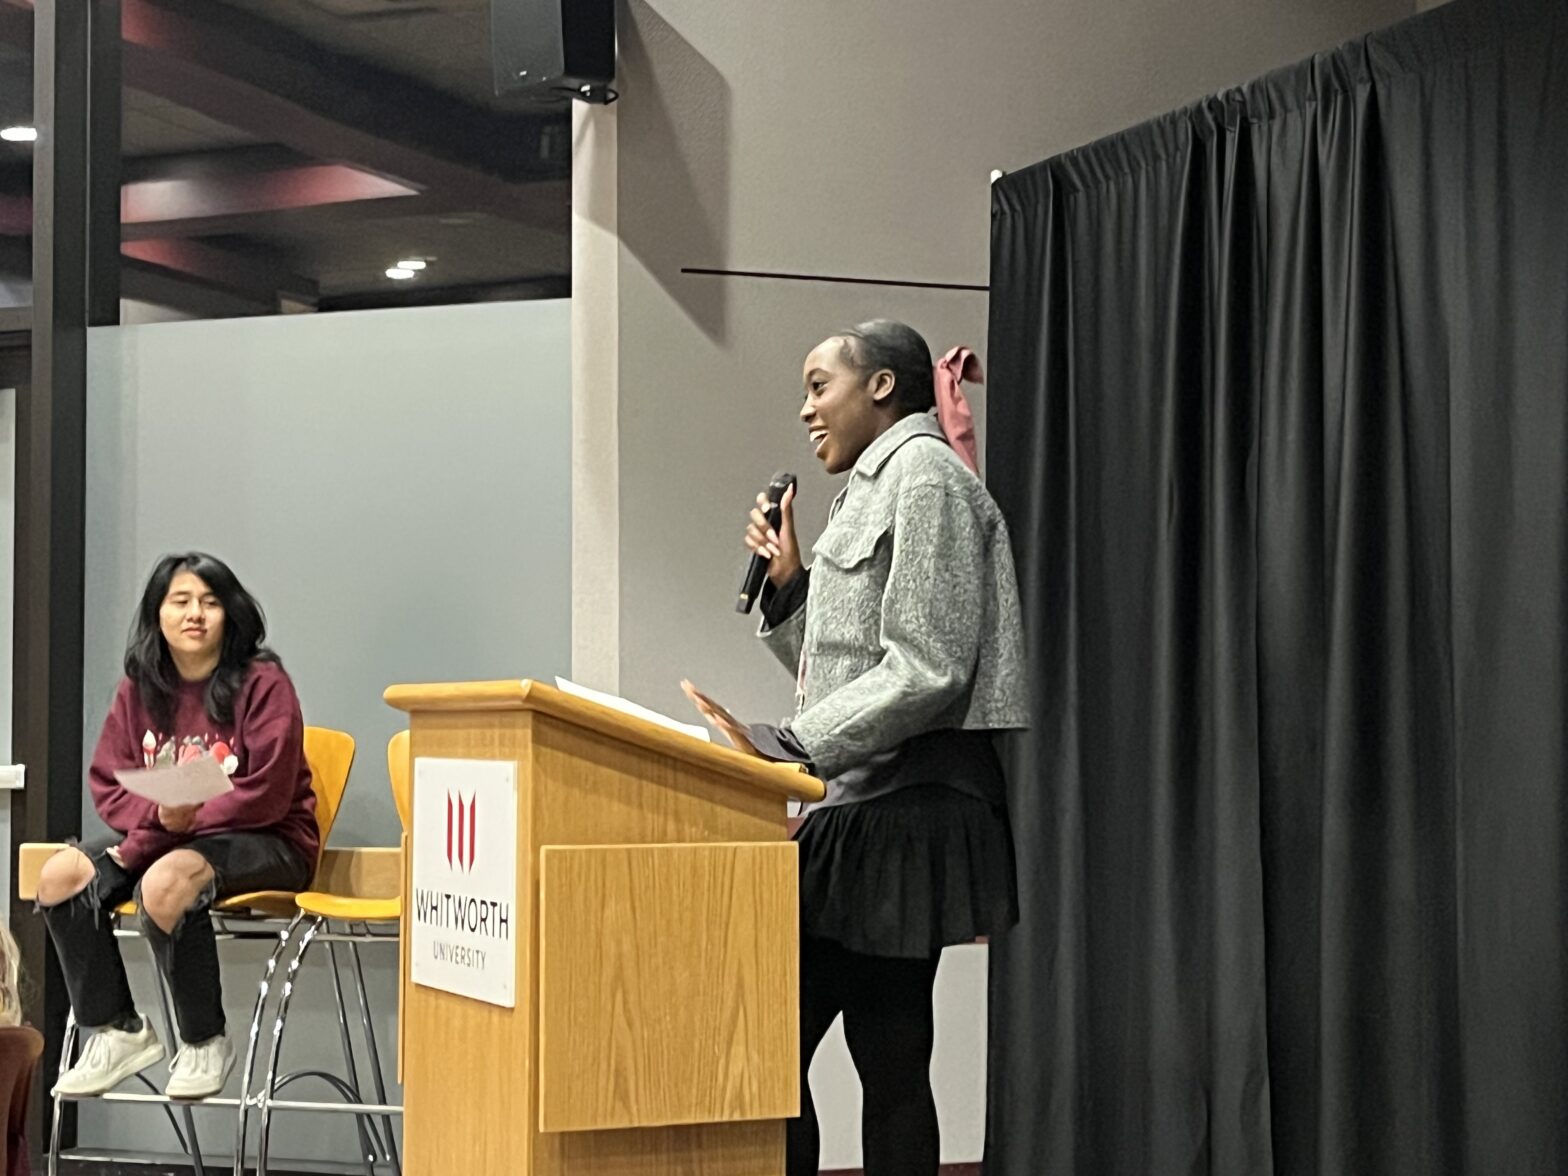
(778, 546)
(178, 818)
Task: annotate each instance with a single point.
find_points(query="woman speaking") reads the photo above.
(905, 640)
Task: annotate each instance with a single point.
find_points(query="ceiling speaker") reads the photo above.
(554, 48)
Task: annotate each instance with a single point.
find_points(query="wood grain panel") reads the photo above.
(404, 938)
(589, 787)
(714, 1149)
(468, 1082)
(668, 986)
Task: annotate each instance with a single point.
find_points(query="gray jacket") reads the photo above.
(911, 622)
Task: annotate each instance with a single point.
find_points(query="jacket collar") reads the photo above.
(916, 424)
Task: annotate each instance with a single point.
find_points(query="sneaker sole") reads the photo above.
(128, 1069)
(223, 1079)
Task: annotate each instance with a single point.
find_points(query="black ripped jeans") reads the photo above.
(83, 931)
(889, 1027)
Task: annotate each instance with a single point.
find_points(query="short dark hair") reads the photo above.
(147, 660)
(900, 349)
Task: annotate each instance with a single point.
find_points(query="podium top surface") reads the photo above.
(523, 694)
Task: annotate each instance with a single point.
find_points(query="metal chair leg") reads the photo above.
(264, 1139)
(375, 1054)
(368, 1140)
(168, 1112)
(172, 1029)
(67, 1050)
(242, 1119)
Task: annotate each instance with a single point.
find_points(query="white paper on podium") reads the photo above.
(195, 781)
(631, 708)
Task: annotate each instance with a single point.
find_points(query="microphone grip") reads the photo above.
(757, 566)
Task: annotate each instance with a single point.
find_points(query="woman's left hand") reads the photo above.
(178, 818)
(734, 730)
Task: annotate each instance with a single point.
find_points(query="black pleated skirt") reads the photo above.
(907, 874)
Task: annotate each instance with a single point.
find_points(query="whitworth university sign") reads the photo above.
(465, 878)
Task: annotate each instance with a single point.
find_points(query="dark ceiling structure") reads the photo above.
(284, 154)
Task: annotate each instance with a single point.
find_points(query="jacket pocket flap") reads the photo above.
(848, 547)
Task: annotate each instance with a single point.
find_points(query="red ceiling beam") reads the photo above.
(221, 268)
(191, 275)
(199, 57)
(260, 79)
(195, 206)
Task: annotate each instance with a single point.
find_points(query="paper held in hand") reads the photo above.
(197, 780)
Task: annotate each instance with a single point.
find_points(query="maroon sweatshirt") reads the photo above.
(262, 750)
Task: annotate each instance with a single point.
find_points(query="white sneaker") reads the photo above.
(199, 1071)
(108, 1059)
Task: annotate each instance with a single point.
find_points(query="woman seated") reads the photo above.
(198, 681)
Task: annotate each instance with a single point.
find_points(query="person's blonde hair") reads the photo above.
(10, 978)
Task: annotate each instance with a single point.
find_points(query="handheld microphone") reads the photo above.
(757, 568)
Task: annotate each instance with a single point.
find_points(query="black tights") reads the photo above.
(886, 1004)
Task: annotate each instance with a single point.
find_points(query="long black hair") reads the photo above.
(884, 344)
(147, 659)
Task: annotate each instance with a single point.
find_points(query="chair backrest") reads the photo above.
(330, 755)
(400, 770)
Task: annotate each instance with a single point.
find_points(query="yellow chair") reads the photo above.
(357, 903)
(351, 909)
(330, 755)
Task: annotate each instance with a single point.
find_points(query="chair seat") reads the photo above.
(349, 910)
(274, 904)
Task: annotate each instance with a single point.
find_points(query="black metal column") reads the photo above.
(103, 164)
(69, 38)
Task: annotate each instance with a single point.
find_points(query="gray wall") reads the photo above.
(818, 137)
(391, 485)
(824, 138)
(394, 488)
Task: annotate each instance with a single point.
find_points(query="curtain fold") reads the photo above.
(1279, 419)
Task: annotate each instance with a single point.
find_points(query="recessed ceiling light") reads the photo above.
(398, 274)
(19, 134)
(412, 263)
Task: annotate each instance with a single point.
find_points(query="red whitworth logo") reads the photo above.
(461, 830)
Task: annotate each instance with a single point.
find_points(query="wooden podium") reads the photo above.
(655, 1028)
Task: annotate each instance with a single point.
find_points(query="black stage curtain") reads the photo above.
(1279, 419)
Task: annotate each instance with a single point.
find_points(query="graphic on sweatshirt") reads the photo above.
(165, 752)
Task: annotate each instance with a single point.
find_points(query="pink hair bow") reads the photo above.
(952, 409)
